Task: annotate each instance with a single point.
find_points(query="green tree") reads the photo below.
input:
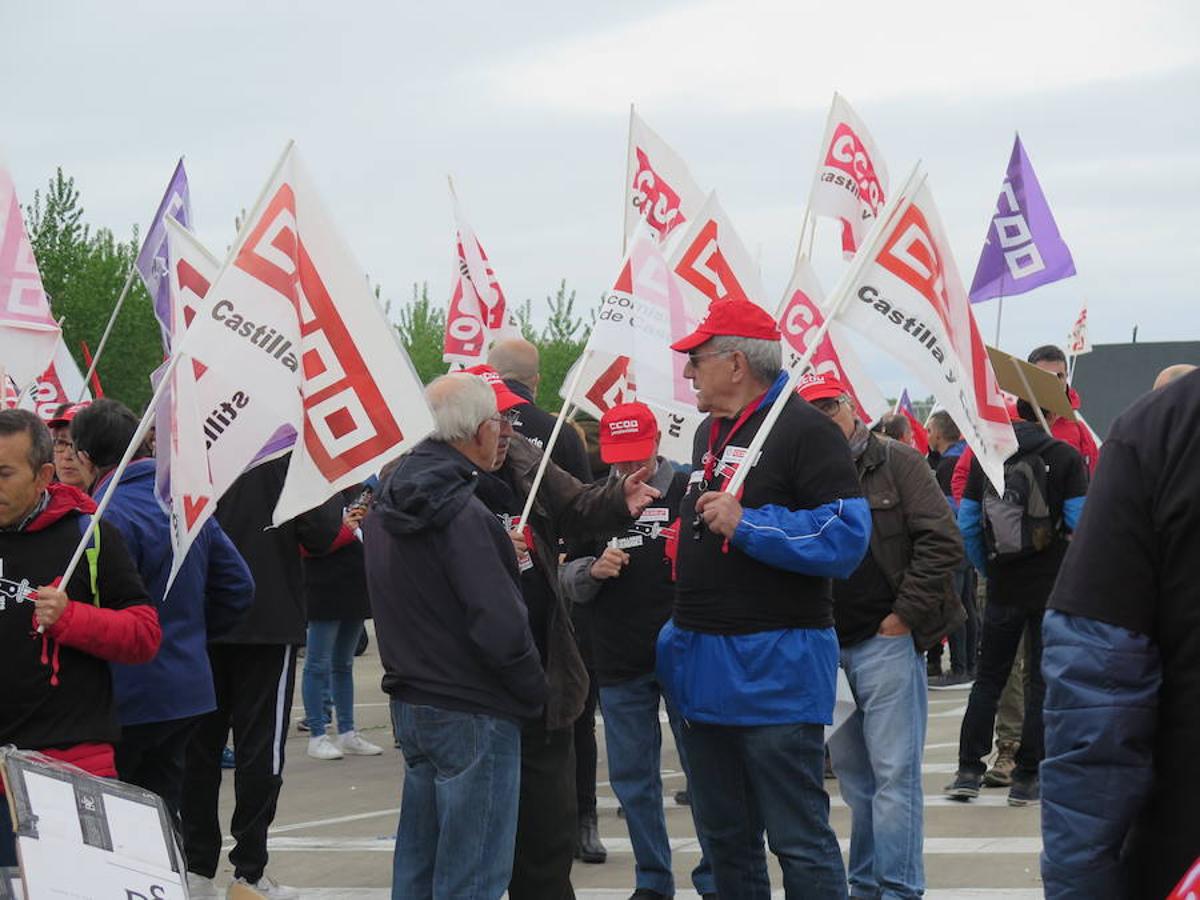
(561, 342)
(422, 328)
(83, 272)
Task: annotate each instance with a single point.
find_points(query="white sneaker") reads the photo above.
(354, 744)
(323, 748)
(201, 888)
(241, 889)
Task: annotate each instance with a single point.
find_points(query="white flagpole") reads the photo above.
(138, 435)
(902, 200)
(112, 319)
(558, 424)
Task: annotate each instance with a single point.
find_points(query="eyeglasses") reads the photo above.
(64, 447)
(828, 405)
(694, 357)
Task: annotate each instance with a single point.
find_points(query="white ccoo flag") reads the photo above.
(289, 334)
(658, 186)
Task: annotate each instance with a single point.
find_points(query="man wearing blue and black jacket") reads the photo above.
(1017, 592)
(750, 656)
(1122, 665)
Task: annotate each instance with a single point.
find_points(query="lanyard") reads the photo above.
(714, 453)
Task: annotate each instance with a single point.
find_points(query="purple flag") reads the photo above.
(152, 261)
(1023, 248)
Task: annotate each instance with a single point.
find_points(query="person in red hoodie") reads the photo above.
(56, 644)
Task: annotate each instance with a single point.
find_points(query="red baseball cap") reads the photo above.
(65, 417)
(506, 398)
(814, 386)
(732, 318)
(628, 433)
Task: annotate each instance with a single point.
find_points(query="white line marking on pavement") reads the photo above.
(690, 846)
(949, 713)
(338, 820)
(836, 802)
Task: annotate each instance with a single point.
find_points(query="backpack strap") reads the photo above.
(92, 554)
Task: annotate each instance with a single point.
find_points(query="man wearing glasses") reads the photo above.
(565, 508)
(750, 656)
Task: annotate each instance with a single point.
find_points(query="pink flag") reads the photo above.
(28, 333)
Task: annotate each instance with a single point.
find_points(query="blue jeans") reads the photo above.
(329, 671)
(877, 757)
(747, 779)
(458, 815)
(633, 736)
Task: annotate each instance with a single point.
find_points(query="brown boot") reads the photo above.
(1000, 774)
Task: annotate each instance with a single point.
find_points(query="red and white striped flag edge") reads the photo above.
(909, 299)
(292, 334)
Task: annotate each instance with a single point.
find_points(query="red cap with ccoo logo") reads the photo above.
(506, 397)
(628, 433)
(813, 386)
(731, 318)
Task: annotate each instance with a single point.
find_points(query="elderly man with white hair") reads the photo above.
(460, 663)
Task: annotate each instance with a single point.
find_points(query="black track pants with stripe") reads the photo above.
(254, 684)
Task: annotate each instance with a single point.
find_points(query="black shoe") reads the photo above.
(647, 894)
(683, 798)
(1026, 790)
(965, 786)
(590, 849)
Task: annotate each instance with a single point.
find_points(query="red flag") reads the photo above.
(920, 435)
(97, 391)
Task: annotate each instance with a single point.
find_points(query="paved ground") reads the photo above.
(333, 833)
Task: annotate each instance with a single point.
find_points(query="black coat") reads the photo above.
(569, 453)
(335, 583)
(277, 615)
(444, 587)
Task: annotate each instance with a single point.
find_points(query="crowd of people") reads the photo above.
(1062, 598)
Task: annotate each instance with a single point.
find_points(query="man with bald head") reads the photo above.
(516, 359)
(1170, 373)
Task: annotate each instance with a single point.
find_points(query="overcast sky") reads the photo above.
(526, 103)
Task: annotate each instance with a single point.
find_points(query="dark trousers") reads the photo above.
(765, 778)
(964, 642)
(254, 684)
(1003, 627)
(585, 751)
(546, 818)
(152, 756)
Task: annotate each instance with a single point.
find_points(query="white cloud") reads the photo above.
(775, 54)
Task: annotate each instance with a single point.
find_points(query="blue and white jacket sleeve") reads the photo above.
(829, 541)
(970, 523)
(1102, 685)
